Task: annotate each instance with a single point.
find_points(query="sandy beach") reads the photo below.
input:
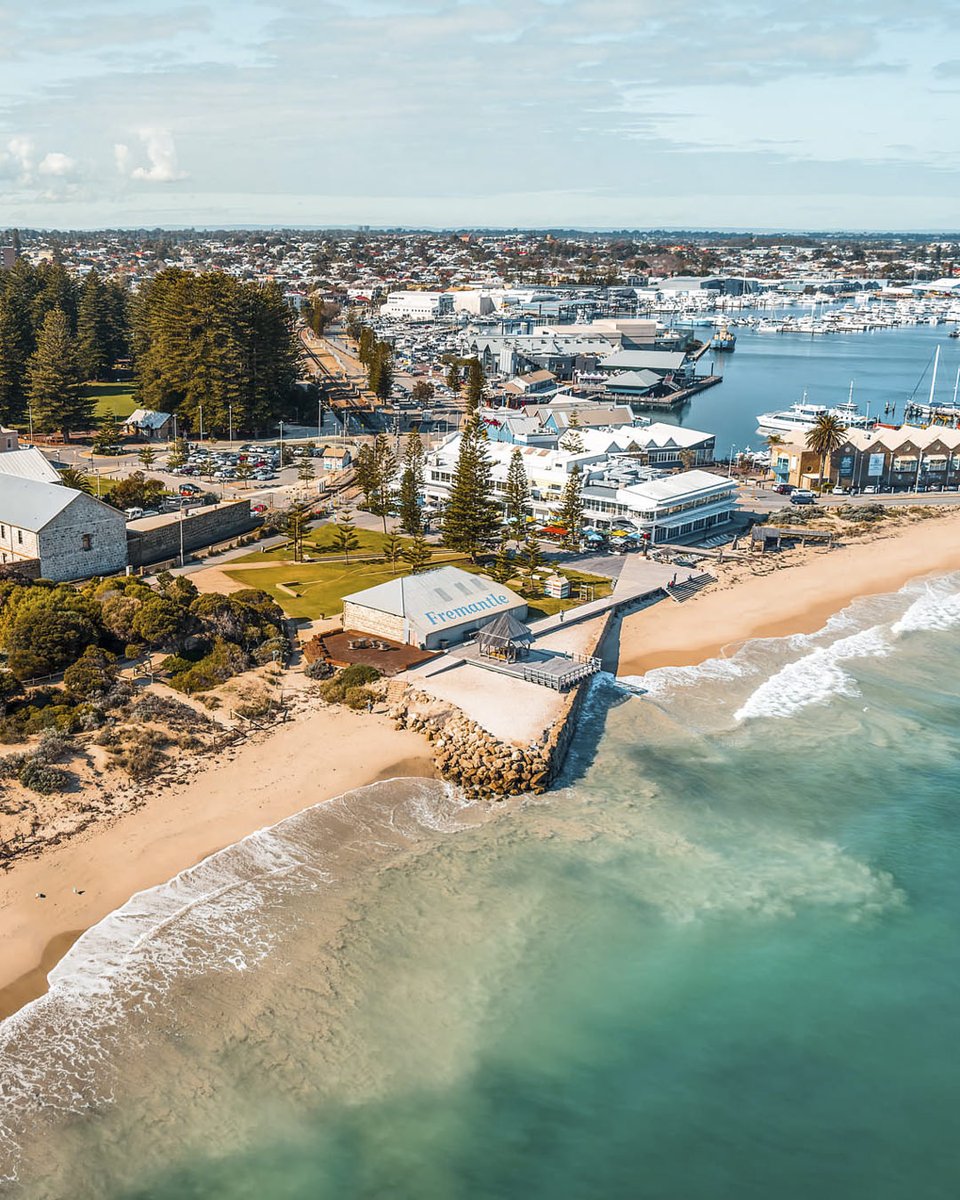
(319, 754)
(795, 591)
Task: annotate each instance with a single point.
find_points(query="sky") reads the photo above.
(814, 114)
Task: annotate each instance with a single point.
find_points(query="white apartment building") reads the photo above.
(418, 306)
(617, 490)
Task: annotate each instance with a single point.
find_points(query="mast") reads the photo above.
(933, 380)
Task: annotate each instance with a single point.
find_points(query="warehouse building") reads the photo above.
(432, 610)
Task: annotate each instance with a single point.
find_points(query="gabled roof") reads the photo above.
(503, 629)
(28, 463)
(147, 418)
(437, 591)
(29, 504)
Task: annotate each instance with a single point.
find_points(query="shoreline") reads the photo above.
(794, 592)
(232, 795)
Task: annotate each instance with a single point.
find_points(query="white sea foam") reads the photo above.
(225, 914)
(815, 678)
(937, 608)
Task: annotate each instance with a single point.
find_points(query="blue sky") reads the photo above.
(814, 114)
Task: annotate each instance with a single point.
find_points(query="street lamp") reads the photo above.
(281, 445)
(230, 421)
(200, 410)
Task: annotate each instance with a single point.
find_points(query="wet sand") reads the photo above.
(320, 754)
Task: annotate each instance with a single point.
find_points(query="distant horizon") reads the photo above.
(944, 233)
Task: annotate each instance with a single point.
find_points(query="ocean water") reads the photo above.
(772, 371)
(721, 961)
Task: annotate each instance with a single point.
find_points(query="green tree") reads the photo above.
(293, 522)
(422, 391)
(570, 512)
(305, 471)
(345, 536)
(470, 517)
(375, 469)
(572, 440)
(417, 553)
(826, 436)
(54, 379)
(16, 344)
(92, 675)
(178, 455)
(107, 437)
(393, 550)
(453, 377)
(517, 494)
(163, 623)
(530, 553)
(502, 569)
(136, 491)
(476, 385)
(147, 456)
(94, 329)
(411, 484)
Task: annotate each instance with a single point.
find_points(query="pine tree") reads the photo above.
(305, 472)
(572, 440)
(147, 456)
(14, 353)
(411, 484)
(570, 512)
(365, 473)
(384, 361)
(417, 553)
(178, 455)
(393, 550)
(517, 494)
(243, 471)
(530, 553)
(107, 437)
(453, 377)
(502, 569)
(345, 536)
(470, 517)
(53, 375)
(365, 345)
(475, 385)
(93, 329)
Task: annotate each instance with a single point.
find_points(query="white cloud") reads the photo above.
(57, 164)
(161, 152)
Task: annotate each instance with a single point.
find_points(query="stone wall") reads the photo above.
(479, 763)
(373, 621)
(203, 527)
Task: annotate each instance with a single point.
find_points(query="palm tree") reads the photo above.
(72, 478)
(827, 435)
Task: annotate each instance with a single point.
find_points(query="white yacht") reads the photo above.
(799, 418)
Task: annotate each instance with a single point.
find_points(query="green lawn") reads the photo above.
(317, 588)
(116, 398)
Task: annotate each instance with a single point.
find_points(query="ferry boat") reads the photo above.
(724, 339)
(799, 418)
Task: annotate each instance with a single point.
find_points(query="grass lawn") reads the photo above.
(319, 587)
(116, 398)
(320, 540)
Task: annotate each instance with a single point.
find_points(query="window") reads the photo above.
(86, 541)
(20, 536)
(3, 531)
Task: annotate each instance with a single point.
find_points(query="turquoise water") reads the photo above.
(721, 962)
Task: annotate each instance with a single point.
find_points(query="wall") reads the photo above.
(372, 621)
(161, 540)
(61, 542)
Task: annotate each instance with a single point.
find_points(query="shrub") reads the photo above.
(320, 668)
(359, 697)
(52, 747)
(357, 675)
(93, 674)
(166, 710)
(43, 778)
(133, 649)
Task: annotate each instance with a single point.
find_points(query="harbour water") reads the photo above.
(772, 371)
(721, 961)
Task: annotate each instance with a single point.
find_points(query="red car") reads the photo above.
(258, 508)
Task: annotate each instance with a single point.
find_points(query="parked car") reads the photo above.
(133, 514)
(189, 489)
(259, 509)
(784, 489)
(802, 496)
(839, 490)
(870, 490)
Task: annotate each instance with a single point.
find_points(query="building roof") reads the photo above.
(440, 599)
(504, 629)
(633, 379)
(146, 418)
(676, 487)
(30, 504)
(28, 464)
